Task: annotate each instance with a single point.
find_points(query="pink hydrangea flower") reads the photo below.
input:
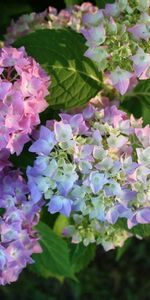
(143, 134)
(23, 88)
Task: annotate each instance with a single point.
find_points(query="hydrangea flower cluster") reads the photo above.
(25, 24)
(118, 41)
(50, 18)
(70, 17)
(18, 215)
(94, 166)
(23, 87)
(117, 36)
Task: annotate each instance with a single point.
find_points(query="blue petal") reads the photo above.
(40, 147)
(112, 215)
(46, 134)
(55, 204)
(143, 216)
(66, 208)
(65, 187)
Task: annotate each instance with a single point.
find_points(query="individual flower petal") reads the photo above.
(143, 134)
(140, 31)
(16, 143)
(97, 54)
(141, 61)
(95, 36)
(143, 156)
(143, 216)
(112, 10)
(4, 88)
(60, 204)
(92, 19)
(120, 79)
(63, 132)
(97, 181)
(46, 142)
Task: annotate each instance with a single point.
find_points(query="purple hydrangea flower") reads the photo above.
(98, 180)
(18, 238)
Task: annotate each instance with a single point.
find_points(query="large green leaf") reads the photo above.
(81, 256)
(55, 258)
(75, 79)
(137, 102)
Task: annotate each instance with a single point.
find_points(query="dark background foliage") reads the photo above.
(12, 9)
(120, 274)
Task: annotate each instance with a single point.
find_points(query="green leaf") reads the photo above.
(75, 79)
(137, 102)
(41, 270)
(55, 258)
(72, 2)
(81, 256)
(102, 3)
(142, 230)
(122, 250)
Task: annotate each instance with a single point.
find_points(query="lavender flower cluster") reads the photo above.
(118, 41)
(23, 87)
(18, 215)
(94, 166)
